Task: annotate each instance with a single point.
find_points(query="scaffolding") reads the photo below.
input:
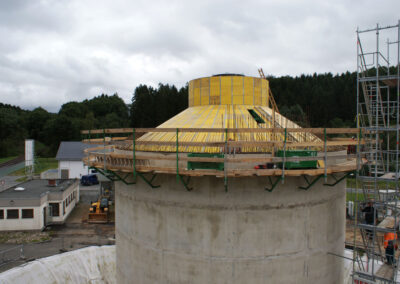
(377, 178)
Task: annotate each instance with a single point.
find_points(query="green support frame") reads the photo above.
(226, 153)
(149, 181)
(273, 184)
(113, 176)
(338, 180)
(134, 153)
(178, 176)
(284, 158)
(310, 183)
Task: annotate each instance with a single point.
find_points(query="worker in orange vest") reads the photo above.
(390, 244)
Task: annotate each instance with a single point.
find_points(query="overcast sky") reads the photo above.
(53, 52)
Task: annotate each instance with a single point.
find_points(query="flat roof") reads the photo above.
(34, 189)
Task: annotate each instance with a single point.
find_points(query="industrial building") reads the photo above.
(228, 190)
(36, 203)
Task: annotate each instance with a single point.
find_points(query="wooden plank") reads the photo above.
(232, 172)
(388, 222)
(230, 130)
(237, 159)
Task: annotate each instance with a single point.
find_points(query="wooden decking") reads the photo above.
(124, 153)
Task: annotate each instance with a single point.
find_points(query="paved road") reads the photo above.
(9, 169)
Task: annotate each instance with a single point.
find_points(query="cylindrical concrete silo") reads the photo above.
(244, 235)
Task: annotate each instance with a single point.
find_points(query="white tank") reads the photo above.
(29, 152)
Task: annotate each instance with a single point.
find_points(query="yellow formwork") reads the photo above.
(222, 116)
(224, 101)
(227, 90)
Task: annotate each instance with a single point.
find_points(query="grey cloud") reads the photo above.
(56, 51)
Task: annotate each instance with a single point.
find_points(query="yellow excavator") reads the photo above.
(98, 212)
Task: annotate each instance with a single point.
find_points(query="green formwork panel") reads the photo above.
(299, 164)
(205, 165)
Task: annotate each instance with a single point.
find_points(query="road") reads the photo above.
(11, 168)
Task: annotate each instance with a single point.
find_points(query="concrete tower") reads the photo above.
(244, 234)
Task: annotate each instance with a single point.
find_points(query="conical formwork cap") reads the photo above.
(225, 101)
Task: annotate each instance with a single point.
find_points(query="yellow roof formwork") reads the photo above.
(223, 116)
(225, 101)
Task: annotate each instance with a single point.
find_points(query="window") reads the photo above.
(1, 214)
(54, 209)
(12, 213)
(27, 213)
(64, 208)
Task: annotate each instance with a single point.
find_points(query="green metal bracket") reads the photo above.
(177, 155)
(338, 180)
(310, 184)
(149, 182)
(225, 153)
(284, 157)
(104, 173)
(134, 154)
(178, 176)
(123, 179)
(113, 176)
(186, 183)
(273, 184)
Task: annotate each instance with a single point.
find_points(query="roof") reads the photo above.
(223, 116)
(72, 150)
(34, 189)
(225, 101)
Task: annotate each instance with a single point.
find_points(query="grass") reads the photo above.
(21, 179)
(352, 196)
(41, 165)
(351, 183)
(24, 237)
(6, 159)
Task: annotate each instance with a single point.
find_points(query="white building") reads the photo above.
(69, 156)
(34, 204)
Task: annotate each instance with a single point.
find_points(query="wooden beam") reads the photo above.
(230, 130)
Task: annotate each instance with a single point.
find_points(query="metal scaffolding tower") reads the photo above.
(377, 180)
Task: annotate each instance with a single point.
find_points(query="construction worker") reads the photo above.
(390, 244)
(370, 217)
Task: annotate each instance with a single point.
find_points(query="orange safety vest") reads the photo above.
(389, 237)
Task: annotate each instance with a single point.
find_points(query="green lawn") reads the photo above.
(351, 196)
(41, 165)
(6, 159)
(351, 183)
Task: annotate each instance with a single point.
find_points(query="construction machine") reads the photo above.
(98, 212)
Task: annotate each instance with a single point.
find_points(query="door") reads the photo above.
(64, 173)
(44, 217)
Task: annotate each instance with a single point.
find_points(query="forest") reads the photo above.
(318, 100)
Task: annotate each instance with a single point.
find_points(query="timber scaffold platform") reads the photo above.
(116, 151)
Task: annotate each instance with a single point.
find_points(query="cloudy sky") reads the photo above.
(53, 52)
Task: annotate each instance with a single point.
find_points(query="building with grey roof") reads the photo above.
(34, 204)
(69, 156)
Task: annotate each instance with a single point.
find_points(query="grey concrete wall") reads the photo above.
(247, 235)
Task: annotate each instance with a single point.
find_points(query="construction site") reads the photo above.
(231, 191)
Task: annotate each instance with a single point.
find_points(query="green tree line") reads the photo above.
(310, 100)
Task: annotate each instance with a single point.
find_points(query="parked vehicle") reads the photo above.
(89, 179)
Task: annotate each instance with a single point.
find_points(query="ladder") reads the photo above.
(271, 96)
